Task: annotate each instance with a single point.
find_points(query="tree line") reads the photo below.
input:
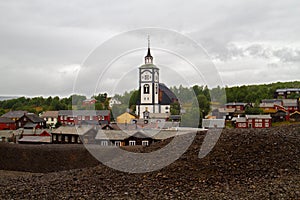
(196, 97)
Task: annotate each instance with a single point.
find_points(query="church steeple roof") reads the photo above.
(148, 57)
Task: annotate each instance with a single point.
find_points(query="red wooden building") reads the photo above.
(76, 117)
(31, 121)
(254, 121)
(238, 106)
(7, 124)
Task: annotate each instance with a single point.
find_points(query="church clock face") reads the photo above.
(146, 76)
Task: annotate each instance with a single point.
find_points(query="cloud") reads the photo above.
(50, 38)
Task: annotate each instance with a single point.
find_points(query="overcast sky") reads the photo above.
(44, 44)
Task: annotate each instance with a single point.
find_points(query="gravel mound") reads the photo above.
(244, 164)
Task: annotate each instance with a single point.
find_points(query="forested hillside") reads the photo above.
(187, 97)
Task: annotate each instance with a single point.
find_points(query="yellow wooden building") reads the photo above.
(125, 118)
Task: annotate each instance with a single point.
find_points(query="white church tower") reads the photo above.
(149, 87)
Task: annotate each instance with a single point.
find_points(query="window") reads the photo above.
(145, 142)
(104, 143)
(146, 89)
(131, 143)
(156, 89)
(266, 124)
(258, 124)
(117, 143)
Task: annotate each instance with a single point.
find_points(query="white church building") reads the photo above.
(155, 97)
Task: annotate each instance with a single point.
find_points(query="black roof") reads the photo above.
(14, 114)
(168, 96)
(6, 120)
(34, 118)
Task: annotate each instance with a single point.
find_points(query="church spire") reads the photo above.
(148, 57)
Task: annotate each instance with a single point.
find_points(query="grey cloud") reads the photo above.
(40, 38)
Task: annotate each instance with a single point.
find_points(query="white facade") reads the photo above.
(114, 101)
(149, 87)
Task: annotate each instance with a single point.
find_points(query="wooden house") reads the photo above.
(77, 117)
(69, 134)
(254, 121)
(31, 121)
(7, 124)
(51, 118)
(14, 115)
(125, 118)
(291, 105)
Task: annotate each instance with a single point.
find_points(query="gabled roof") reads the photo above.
(295, 114)
(53, 114)
(34, 118)
(73, 130)
(111, 135)
(139, 135)
(168, 96)
(258, 117)
(6, 120)
(35, 139)
(14, 114)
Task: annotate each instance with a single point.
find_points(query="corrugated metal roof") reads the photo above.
(155, 134)
(35, 139)
(73, 130)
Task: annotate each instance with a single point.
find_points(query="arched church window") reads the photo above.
(146, 89)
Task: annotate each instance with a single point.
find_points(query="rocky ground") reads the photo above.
(244, 164)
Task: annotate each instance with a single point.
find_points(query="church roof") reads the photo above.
(148, 66)
(168, 96)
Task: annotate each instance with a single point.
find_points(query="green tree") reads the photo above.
(175, 108)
